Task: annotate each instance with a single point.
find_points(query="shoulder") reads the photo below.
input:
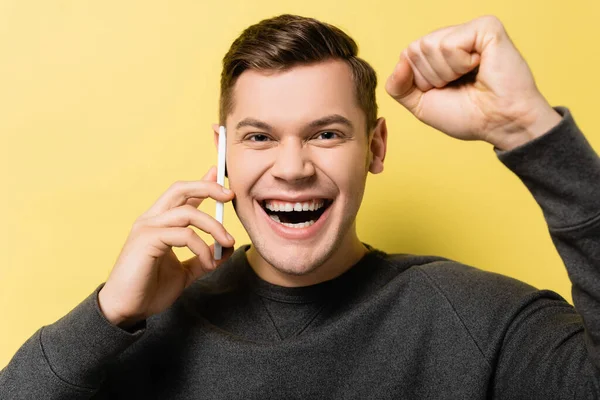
(465, 286)
(485, 304)
(453, 278)
(456, 280)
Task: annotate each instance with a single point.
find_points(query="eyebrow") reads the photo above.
(255, 123)
(318, 123)
(330, 120)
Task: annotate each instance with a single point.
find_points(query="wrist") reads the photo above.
(531, 125)
(112, 316)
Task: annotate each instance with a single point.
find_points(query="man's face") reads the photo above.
(297, 141)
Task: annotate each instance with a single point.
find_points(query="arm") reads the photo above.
(537, 346)
(547, 350)
(562, 172)
(69, 359)
(66, 359)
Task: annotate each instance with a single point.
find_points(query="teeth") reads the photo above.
(289, 207)
(300, 225)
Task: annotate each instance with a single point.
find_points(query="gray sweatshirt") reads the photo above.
(393, 326)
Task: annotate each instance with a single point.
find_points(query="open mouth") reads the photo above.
(296, 215)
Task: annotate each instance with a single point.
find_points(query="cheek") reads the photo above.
(346, 167)
(244, 168)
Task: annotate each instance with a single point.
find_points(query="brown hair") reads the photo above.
(279, 43)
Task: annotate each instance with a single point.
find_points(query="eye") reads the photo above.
(327, 135)
(257, 138)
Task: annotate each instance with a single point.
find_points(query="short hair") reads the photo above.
(285, 41)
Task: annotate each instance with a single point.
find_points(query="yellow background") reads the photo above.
(103, 104)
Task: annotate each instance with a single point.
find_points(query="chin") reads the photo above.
(295, 259)
(297, 252)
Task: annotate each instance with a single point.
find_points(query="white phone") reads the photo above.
(222, 146)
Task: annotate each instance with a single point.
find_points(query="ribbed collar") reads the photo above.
(303, 294)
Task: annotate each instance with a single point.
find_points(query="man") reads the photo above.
(308, 310)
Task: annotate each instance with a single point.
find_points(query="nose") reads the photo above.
(292, 162)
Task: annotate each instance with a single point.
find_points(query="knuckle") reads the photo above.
(138, 225)
(493, 22)
(413, 50)
(140, 236)
(177, 186)
(189, 233)
(206, 254)
(447, 47)
(185, 214)
(192, 214)
(428, 45)
(205, 257)
(491, 18)
(186, 209)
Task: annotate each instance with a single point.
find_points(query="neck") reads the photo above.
(345, 255)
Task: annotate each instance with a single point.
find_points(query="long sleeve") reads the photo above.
(545, 348)
(450, 327)
(66, 360)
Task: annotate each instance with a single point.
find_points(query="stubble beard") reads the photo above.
(301, 260)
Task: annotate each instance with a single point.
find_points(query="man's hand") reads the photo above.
(500, 105)
(147, 277)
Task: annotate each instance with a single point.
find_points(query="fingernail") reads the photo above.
(214, 263)
(226, 191)
(229, 237)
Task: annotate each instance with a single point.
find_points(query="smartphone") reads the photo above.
(222, 147)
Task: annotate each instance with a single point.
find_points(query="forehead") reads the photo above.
(297, 95)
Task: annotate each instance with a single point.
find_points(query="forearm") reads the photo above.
(66, 359)
(562, 171)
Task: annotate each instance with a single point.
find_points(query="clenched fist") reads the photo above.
(500, 104)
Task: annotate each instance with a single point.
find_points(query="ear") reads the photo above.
(378, 147)
(215, 128)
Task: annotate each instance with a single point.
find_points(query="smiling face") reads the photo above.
(298, 157)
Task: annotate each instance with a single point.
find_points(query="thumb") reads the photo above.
(401, 84)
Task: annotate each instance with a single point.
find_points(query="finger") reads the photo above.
(419, 61)
(227, 252)
(211, 175)
(401, 85)
(435, 62)
(187, 215)
(194, 202)
(459, 49)
(180, 192)
(185, 237)
(198, 267)
(414, 58)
